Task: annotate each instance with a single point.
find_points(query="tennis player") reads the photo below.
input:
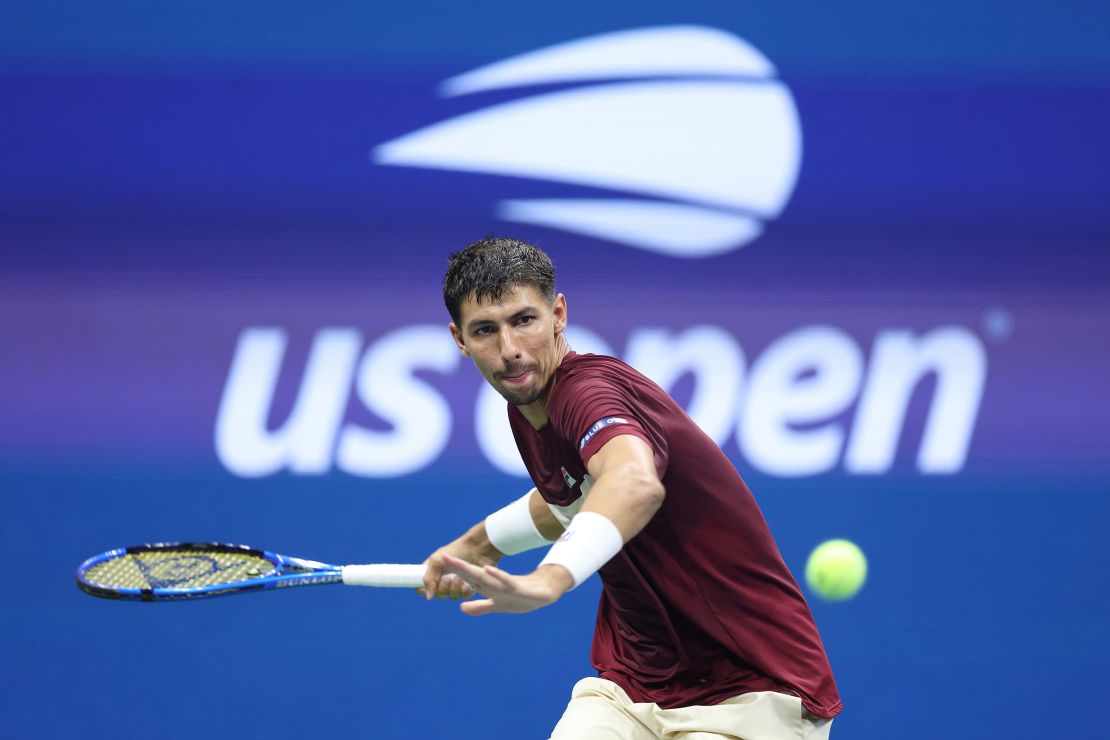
(701, 631)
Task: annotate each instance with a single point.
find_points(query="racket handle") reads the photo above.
(388, 575)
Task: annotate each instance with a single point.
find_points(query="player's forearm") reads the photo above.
(524, 524)
(628, 496)
(620, 504)
(476, 540)
(545, 521)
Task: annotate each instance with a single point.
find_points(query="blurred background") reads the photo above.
(864, 244)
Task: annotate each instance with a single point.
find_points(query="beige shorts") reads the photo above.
(600, 710)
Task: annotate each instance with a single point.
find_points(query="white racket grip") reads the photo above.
(386, 575)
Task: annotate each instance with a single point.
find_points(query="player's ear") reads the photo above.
(457, 336)
(559, 309)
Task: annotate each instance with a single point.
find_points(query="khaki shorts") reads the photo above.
(600, 710)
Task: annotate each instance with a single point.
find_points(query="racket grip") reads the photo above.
(387, 575)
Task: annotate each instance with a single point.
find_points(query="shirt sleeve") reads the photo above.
(595, 409)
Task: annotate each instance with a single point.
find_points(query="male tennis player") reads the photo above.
(701, 628)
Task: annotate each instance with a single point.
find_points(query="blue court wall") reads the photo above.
(865, 247)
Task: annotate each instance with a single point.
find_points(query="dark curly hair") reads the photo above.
(487, 268)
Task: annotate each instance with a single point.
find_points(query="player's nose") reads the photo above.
(509, 349)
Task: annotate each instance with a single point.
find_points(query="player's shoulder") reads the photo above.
(586, 368)
(584, 377)
(587, 384)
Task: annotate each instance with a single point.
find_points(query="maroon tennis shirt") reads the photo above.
(699, 606)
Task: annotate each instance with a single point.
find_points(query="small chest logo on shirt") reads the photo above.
(571, 482)
(598, 426)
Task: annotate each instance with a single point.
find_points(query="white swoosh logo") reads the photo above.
(668, 51)
(712, 158)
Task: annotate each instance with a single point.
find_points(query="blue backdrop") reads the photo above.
(865, 246)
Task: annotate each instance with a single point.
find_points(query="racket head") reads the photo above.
(177, 570)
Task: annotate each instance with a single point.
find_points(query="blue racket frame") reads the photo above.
(287, 572)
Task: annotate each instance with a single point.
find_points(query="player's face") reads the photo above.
(516, 342)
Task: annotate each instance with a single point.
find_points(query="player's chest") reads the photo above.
(557, 471)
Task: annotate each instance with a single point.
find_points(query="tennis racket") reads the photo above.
(179, 571)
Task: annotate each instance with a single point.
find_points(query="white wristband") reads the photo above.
(590, 542)
(512, 529)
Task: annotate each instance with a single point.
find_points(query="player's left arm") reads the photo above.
(626, 490)
(626, 493)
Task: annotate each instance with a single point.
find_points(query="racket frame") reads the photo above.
(288, 572)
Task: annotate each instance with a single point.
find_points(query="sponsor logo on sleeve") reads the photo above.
(597, 427)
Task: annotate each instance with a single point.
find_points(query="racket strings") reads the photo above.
(177, 569)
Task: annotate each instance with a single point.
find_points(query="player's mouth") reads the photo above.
(518, 379)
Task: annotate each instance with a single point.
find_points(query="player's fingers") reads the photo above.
(456, 588)
(478, 607)
(496, 575)
(450, 587)
(477, 584)
(433, 571)
(473, 575)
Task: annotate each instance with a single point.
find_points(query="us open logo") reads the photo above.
(692, 141)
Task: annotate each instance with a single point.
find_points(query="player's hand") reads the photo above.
(438, 583)
(505, 592)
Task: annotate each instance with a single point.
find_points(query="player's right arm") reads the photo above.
(476, 547)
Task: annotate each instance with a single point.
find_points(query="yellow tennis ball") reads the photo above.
(836, 570)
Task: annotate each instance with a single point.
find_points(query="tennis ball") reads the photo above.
(836, 570)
